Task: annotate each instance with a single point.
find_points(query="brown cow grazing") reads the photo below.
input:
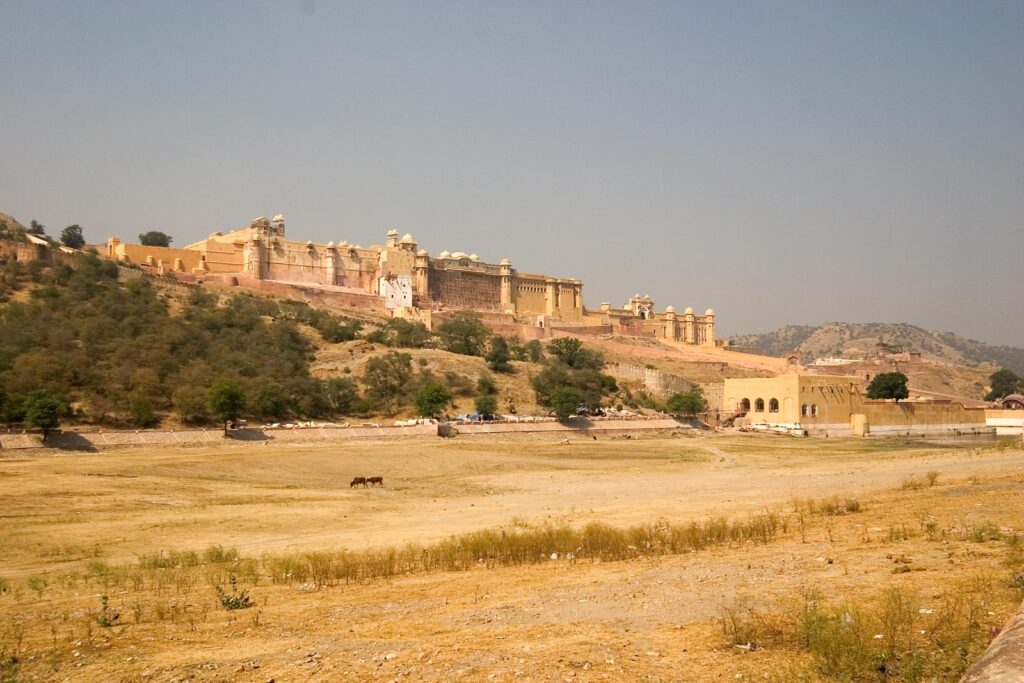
(375, 481)
(358, 481)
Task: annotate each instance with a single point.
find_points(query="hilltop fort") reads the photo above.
(403, 280)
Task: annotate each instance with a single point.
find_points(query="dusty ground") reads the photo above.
(653, 618)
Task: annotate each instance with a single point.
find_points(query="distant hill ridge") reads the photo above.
(853, 340)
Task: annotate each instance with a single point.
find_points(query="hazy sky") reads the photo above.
(782, 162)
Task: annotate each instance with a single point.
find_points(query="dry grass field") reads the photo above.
(513, 559)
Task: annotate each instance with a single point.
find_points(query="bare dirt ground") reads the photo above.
(69, 518)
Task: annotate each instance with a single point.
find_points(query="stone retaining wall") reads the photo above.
(580, 425)
(99, 440)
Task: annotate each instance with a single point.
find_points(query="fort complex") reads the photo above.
(401, 278)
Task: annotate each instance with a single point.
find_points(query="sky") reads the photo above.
(781, 162)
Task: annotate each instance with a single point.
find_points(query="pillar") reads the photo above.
(252, 258)
(506, 284)
(421, 274)
(670, 324)
(331, 265)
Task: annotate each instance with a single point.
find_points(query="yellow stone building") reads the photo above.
(834, 404)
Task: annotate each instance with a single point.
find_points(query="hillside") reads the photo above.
(10, 229)
(146, 352)
(858, 340)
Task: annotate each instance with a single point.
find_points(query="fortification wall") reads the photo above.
(580, 330)
(529, 295)
(223, 257)
(368, 302)
(296, 262)
(657, 381)
(714, 394)
(137, 254)
(465, 289)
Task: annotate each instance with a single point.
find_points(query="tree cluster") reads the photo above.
(84, 345)
(687, 403)
(1004, 382)
(111, 352)
(571, 378)
(888, 385)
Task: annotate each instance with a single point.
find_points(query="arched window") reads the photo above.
(745, 405)
(759, 405)
(773, 405)
(804, 410)
(814, 410)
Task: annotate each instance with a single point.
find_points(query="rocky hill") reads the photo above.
(858, 340)
(11, 229)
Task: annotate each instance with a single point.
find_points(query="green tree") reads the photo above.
(889, 385)
(385, 378)
(155, 238)
(498, 356)
(590, 385)
(341, 394)
(1004, 382)
(485, 384)
(71, 236)
(267, 400)
(572, 352)
(432, 399)
(463, 333)
(334, 331)
(486, 404)
(226, 401)
(190, 404)
(534, 350)
(42, 411)
(404, 334)
(141, 410)
(565, 400)
(36, 228)
(687, 403)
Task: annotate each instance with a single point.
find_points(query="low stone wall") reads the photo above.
(939, 417)
(1003, 661)
(1006, 422)
(578, 425)
(100, 440)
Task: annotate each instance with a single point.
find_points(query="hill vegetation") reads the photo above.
(855, 340)
(135, 353)
(10, 229)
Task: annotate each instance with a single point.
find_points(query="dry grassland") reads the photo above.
(792, 538)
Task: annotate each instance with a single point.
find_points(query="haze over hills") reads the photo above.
(854, 340)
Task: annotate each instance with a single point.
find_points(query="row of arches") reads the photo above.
(806, 410)
(773, 405)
